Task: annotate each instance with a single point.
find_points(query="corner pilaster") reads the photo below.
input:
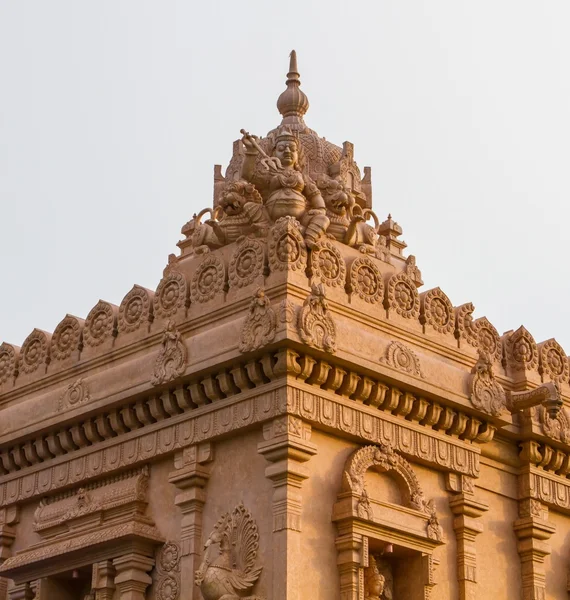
(190, 477)
(9, 516)
(466, 510)
(103, 581)
(533, 530)
(286, 446)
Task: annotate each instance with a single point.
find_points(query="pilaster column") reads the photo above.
(352, 559)
(103, 581)
(286, 447)
(533, 530)
(190, 477)
(9, 516)
(467, 510)
(132, 578)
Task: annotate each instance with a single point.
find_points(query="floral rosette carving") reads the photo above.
(465, 325)
(168, 572)
(287, 249)
(327, 264)
(208, 280)
(365, 280)
(99, 324)
(437, 311)
(558, 428)
(403, 358)
(246, 264)
(8, 360)
(34, 351)
(65, 338)
(488, 339)
(75, 394)
(553, 361)
(403, 296)
(315, 324)
(260, 324)
(522, 353)
(135, 309)
(487, 394)
(171, 294)
(171, 360)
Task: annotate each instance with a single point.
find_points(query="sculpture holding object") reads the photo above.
(228, 568)
(291, 172)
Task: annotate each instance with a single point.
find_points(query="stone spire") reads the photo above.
(293, 103)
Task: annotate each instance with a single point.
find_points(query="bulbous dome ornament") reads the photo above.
(289, 173)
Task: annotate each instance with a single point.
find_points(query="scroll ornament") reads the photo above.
(171, 360)
(260, 323)
(316, 326)
(486, 394)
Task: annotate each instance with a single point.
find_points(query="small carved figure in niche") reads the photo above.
(286, 189)
(239, 212)
(375, 583)
(171, 360)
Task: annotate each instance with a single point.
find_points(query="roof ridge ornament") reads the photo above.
(293, 103)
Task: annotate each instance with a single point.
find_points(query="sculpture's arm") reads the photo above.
(313, 195)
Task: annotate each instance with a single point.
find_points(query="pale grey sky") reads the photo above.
(113, 113)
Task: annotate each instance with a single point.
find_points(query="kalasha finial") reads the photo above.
(293, 103)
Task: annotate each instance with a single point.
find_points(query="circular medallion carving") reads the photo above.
(522, 351)
(34, 351)
(168, 588)
(366, 280)
(489, 340)
(99, 324)
(287, 249)
(403, 296)
(438, 311)
(7, 362)
(65, 338)
(553, 361)
(171, 294)
(208, 281)
(135, 309)
(327, 264)
(169, 556)
(246, 264)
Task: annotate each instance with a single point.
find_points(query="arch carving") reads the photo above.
(383, 459)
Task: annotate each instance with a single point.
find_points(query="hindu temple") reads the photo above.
(288, 415)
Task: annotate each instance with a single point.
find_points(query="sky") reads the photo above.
(113, 113)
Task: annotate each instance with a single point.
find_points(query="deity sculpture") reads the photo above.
(374, 582)
(286, 190)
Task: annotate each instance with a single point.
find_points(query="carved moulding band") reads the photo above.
(552, 490)
(365, 280)
(208, 280)
(247, 262)
(100, 324)
(287, 249)
(135, 310)
(248, 408)
(171, 294)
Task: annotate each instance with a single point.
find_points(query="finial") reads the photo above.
(293, 103)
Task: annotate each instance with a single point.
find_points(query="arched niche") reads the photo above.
(403, 535)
